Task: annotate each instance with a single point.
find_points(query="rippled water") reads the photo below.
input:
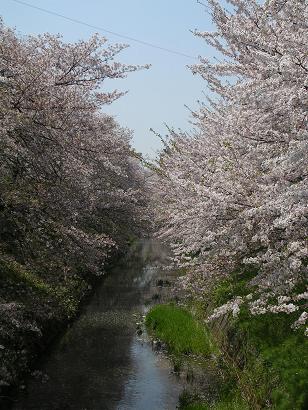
(100, 363)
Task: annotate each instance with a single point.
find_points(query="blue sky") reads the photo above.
(156, 96)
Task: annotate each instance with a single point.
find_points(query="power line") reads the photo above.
(145, 43)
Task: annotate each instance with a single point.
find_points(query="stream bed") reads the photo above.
(100, 362)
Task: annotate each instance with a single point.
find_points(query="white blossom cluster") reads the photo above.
(231, 306)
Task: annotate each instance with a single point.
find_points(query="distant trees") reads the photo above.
(70, 185)
(236, 192)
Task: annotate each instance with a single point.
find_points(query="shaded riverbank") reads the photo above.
(100, 362)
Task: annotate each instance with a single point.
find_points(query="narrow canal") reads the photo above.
(100, 363)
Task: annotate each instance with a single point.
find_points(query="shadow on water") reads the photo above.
(100, 363)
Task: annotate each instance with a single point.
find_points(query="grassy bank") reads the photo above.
(260, 361)
(183, 334)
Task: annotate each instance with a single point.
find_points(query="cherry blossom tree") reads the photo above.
(70, 186)
(235, 192)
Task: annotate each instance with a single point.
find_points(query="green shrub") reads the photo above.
(235, 285)
(276, 356)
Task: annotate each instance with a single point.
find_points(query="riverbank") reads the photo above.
(33, 314)
(35, 311)
(234, 363)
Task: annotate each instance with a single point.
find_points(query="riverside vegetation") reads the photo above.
(230, 199)
(256, 362)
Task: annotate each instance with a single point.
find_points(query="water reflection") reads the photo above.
(100, 363)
